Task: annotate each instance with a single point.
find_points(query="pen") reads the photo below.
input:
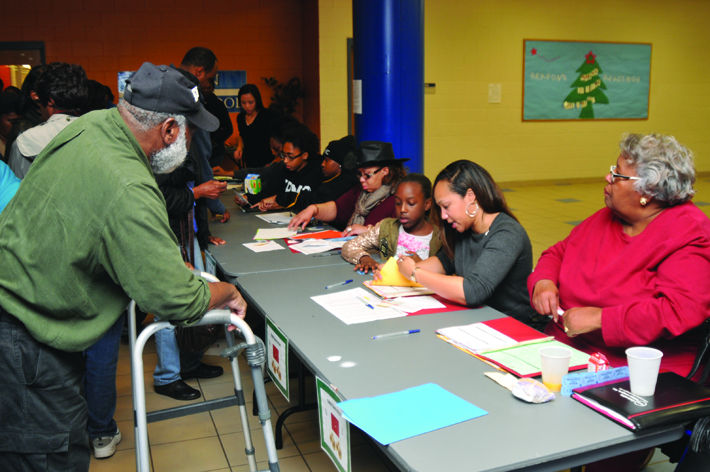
(338, 284)
(398, 333)
(366, 302)
(327, 254)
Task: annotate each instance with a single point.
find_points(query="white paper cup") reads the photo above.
(644, 363)
(555, 364)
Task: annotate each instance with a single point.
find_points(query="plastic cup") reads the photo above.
(555, 364)
(644, 363)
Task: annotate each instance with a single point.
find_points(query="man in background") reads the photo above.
(9, 114)
(201, 63)
(62, 92)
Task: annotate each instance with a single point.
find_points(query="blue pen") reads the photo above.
(366, 302)
(338, 284)
(398, 333)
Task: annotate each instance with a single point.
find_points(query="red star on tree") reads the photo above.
(590, 57)
(534, 51)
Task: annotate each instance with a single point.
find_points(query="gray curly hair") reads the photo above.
(665, 167)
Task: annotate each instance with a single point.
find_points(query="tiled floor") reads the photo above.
(214, 441)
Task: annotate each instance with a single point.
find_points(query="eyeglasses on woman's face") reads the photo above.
(288, 157)
(366, 176)
(614, 175)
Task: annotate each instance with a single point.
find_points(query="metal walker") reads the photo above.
(256, 358)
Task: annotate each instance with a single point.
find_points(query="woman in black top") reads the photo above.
(253, 123)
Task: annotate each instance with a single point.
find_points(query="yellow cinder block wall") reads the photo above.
(471, 44)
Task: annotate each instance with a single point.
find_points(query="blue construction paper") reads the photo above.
(400, 415)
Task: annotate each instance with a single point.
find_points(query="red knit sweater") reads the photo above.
(653, 288)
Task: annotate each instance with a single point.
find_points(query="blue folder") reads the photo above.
(400, 415)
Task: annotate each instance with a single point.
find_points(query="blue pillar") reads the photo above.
(389, 60)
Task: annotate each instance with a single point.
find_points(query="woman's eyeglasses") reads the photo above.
(614, 175)
(366, 176)
(289, 157)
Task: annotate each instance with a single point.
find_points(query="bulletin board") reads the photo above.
(577, 80)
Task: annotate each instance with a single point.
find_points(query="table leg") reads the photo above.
(301, 406)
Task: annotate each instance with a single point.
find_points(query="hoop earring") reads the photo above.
(472, 214)
(643, 201)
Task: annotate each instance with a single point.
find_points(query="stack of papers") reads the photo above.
(356, 306)
(274, 233)
(391, 291)
(508, 343)
(407, 413)
(359, 306)
(313, 246)
(264, 246)
(490, 335)
(327, 234)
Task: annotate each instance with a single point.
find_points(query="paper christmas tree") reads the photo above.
(587, 89)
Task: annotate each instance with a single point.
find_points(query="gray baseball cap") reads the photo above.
(164, 89)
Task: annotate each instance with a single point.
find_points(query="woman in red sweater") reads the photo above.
(636, 273)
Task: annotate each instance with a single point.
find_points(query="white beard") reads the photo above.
(168, 159)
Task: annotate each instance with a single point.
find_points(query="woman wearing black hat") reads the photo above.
(357, 209)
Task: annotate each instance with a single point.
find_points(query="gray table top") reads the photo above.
(236, 260)
(513, 435)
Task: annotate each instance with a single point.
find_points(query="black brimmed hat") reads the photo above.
(343, 151)
(164, 89)
(377, 153)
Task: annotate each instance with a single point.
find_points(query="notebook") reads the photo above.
(677, 400)
(509, 344)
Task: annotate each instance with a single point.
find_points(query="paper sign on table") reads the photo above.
(334, 429)
(277, 357)
(400, 415)
(390, 275)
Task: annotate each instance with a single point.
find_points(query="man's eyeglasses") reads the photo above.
(288, 157)
(366, 176)
(614, 175)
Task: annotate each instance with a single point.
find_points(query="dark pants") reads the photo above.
(42, 410)
(101, 361)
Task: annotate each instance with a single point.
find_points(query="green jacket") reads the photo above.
(86, 232)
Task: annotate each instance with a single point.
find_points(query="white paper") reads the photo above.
(350, 306)
(264, 246)
(274, 233)
(392, 291)
(281, 218)
(314, 246)
(414, 304)
(477, 337)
